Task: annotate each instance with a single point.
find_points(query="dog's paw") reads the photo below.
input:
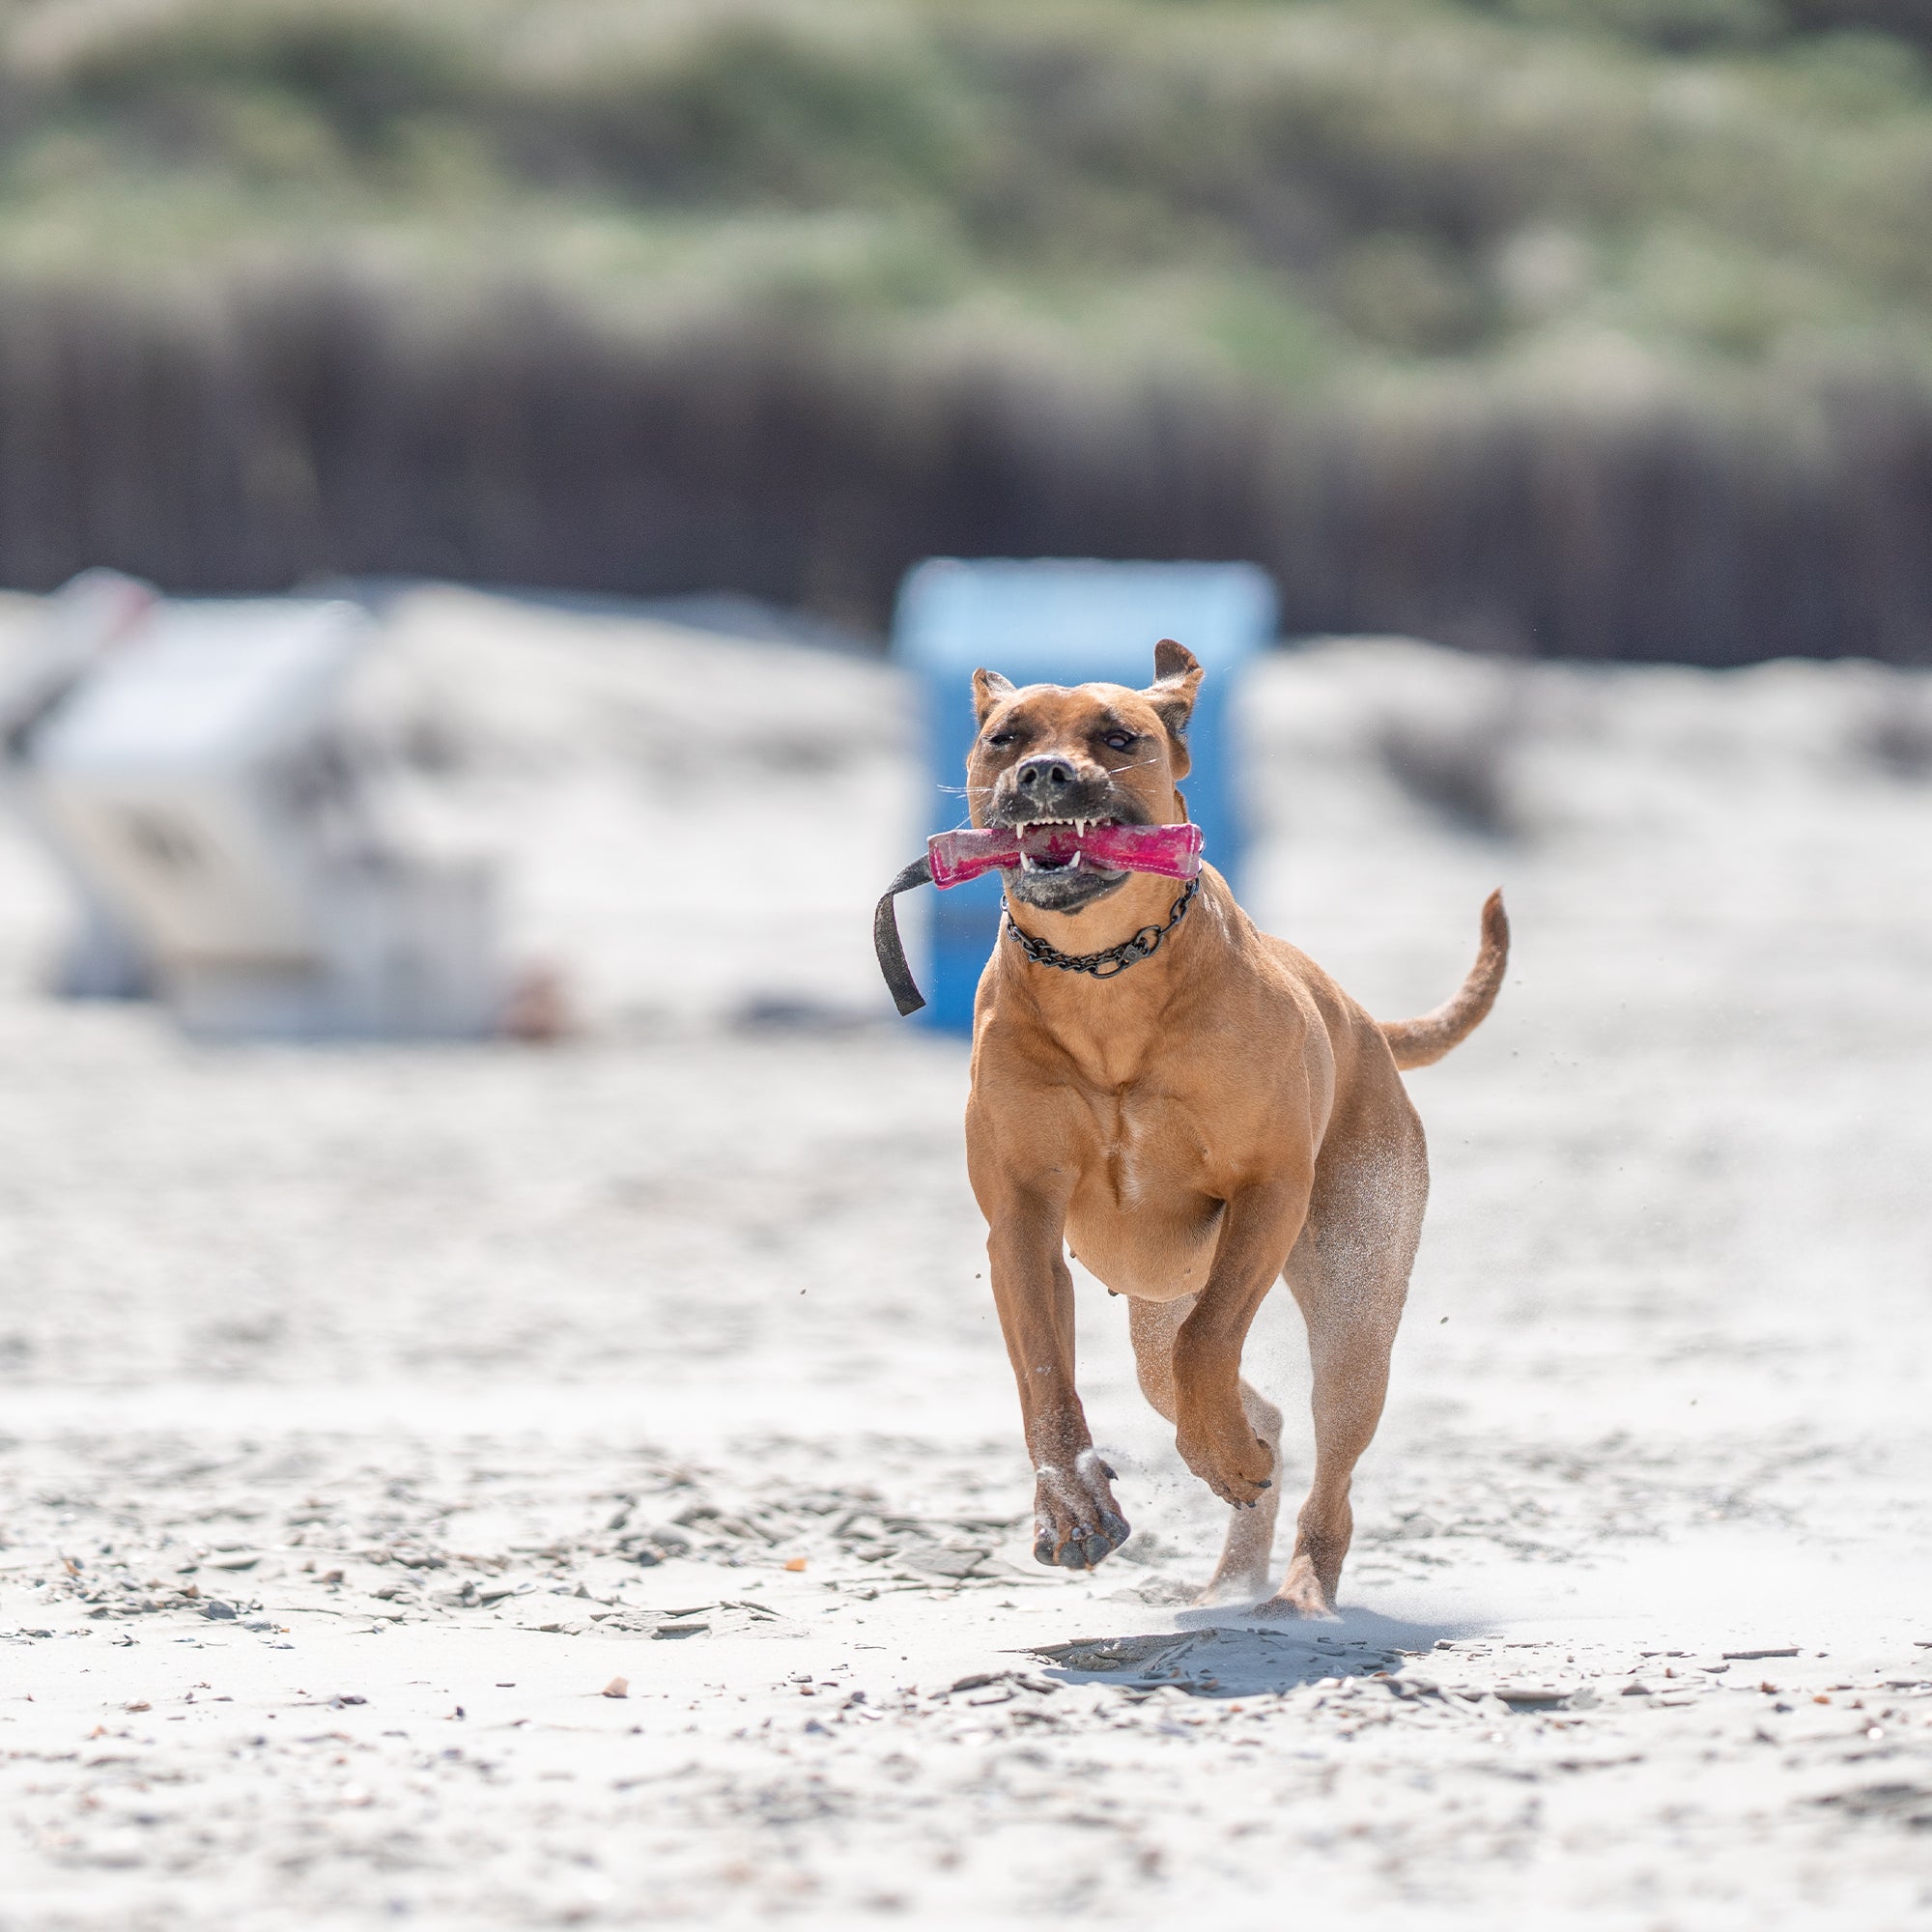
(1076, 1524)
(1302, 1598)
(1232, 1460)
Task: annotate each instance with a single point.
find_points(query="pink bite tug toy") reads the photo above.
(1174, 851)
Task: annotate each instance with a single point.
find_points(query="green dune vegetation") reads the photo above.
(1601, 327)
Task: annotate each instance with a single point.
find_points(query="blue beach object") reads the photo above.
(1063, 621)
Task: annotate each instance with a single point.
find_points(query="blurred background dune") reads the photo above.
(1579, 327)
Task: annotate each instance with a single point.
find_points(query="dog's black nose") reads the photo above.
(1042, 777)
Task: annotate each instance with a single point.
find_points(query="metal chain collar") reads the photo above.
(1116, 959)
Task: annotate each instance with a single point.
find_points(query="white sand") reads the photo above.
(470, 1381)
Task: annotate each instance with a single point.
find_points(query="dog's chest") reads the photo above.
(1144, 1147)
(1143, 1211)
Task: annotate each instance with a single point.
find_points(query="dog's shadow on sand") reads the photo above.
(1232, 1653)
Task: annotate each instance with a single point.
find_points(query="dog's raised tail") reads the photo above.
(1422, 1041)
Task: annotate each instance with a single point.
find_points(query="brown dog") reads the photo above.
(1208, 1116)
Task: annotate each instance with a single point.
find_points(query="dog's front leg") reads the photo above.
(1212, 1429)
(1076, 1524)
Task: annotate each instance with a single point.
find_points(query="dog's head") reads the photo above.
(1093, 754)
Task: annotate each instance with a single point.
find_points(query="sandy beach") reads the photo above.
(512, 1486)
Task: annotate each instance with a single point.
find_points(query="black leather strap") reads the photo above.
(886, 942)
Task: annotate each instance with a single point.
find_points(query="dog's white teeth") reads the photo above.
(1028, 864)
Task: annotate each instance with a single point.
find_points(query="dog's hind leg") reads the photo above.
(1350, 1274)
(1243, 1573)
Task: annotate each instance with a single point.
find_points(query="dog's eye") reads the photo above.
(1000, 739)
(1121, 741)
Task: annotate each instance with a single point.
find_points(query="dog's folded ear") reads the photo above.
(989, 689)
(1176, 681)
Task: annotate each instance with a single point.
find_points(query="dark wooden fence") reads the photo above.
(271, 434)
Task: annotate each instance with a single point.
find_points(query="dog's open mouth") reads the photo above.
(1061, 865)
(1064, 845)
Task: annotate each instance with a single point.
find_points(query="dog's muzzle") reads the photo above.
(1109, 852)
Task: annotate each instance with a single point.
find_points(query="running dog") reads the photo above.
(1194, 1109)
